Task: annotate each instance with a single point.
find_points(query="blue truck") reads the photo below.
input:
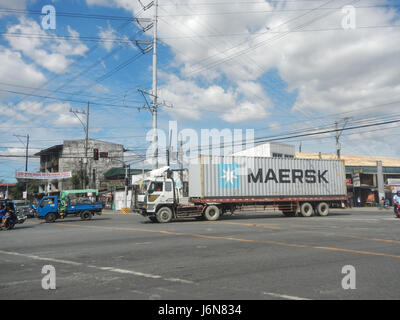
(51, 208)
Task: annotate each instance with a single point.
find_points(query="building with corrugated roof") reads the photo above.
(362, 175)
(71, 157)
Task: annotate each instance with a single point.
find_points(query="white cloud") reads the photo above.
(13, 5)
(50, 54)
(13, 69)
(107, 35)
(336, 70)
(243, 103)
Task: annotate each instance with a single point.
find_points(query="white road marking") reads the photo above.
(110, 269)
(41, 258)
(284, 296)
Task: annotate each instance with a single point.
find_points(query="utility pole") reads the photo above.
(86, 129)
(87, 141)
(169, 149)
(338, 135)
(153, 107)
(181, 160)
(126, 187)
(26, 145)
(155, 88)
(338, 146)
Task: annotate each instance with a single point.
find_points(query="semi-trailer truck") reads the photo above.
(212, 186)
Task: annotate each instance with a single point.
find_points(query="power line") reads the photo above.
(64, 99)
(221, 35)
(77, 15)
(112, 97)
(91, 50)
(270, 11)
(262, 43)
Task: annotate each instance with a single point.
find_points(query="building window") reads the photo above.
(277, 155)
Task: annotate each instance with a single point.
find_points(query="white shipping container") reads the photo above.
(233, 177)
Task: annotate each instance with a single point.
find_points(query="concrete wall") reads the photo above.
(268, 150)
(73, 159)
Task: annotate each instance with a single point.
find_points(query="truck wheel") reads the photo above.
(51, 217)
(212, 213)
(86, 215)
(323, 209)
(164, 215)
(306, 209)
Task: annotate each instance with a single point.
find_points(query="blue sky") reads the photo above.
(276, 67)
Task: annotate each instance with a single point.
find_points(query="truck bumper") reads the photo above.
(144, 213)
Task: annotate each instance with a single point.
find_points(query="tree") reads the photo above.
(79, 181)
(17, 191)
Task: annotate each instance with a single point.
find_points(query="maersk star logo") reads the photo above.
(229, 176)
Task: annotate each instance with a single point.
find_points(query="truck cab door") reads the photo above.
(168, 196)
(47, 205)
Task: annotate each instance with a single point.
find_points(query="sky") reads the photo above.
(278, 67)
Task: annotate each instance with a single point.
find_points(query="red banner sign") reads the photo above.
(43, 175)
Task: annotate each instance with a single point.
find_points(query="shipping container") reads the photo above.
(230, 177)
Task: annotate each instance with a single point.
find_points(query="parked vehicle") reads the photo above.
(216, 185)
(24, 207)
(52, 208)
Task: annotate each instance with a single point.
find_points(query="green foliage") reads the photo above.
(78, 180)
(16, 192)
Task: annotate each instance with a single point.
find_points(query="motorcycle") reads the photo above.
(397, 211)
(21, 217)
(11, 221)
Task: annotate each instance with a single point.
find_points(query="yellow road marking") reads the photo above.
(268, 226)
(202, 236)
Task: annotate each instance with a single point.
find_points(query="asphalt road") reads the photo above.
(247, 256)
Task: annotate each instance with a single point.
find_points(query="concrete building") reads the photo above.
(70, 157)
(275, 150)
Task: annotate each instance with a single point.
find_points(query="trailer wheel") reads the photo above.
(51, 217)
(323, 209)
(164, 215)
(306, 209)
(212, 213)
(86, 215)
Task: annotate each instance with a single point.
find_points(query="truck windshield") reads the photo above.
(156, 187)
(145, 187)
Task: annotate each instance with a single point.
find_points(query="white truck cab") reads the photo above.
(160, 194)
